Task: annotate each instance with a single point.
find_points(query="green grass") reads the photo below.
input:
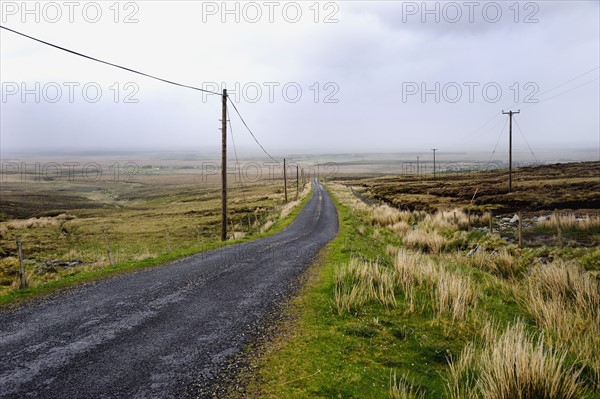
(321, 354)
(351, 356)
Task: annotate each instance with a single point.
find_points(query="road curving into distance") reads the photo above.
(164, 332)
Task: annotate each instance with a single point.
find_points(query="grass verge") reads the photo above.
(76, 277)
(449, 319)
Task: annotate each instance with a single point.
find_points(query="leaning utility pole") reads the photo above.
(297, 182)
(510, 115)
(224, 168)
(434, 150)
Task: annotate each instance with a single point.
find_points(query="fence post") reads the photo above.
(168, 239)
(520, 230)
(491, 222)
(109, 253)
(468, 219)
(558, 227)
(21, 266)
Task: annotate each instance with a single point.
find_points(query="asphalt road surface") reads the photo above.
(164, 332)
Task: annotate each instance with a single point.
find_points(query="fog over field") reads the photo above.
(337, 77)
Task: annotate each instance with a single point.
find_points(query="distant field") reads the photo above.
(540, 188)
(166, 209)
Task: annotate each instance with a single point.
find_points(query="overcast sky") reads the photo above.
(361, 66)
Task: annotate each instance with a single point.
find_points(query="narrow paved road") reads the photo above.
(159, 333)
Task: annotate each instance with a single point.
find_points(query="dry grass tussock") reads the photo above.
(268, 224)
(382, 215)
(385, 215)
(238, 235)
(453, 219)
(401, 228)
(425, 240)
(564, 300)
(359, 282)
(402, 388)
(454, 296)
(512, 364)
(570, 221)
(500, 263)
(288, 208)
(32, 223)
(143, 255)
(415, 269)
(345, 196)
(376, 234)
(399, 222)
(392, 251)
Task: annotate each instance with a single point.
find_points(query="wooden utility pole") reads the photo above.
(510, 115)
(285, 180)
(297, 181)
(224, 168)
(434, 150)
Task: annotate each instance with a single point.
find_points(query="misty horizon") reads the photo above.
(358, 77)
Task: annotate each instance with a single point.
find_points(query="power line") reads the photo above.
(541, 94)
(489, 129)
(524, 138)
(250, 131)
(560, 94)
(108, 63)
(499, 138)
(237, 161)
(569, 81)
(481, 127)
